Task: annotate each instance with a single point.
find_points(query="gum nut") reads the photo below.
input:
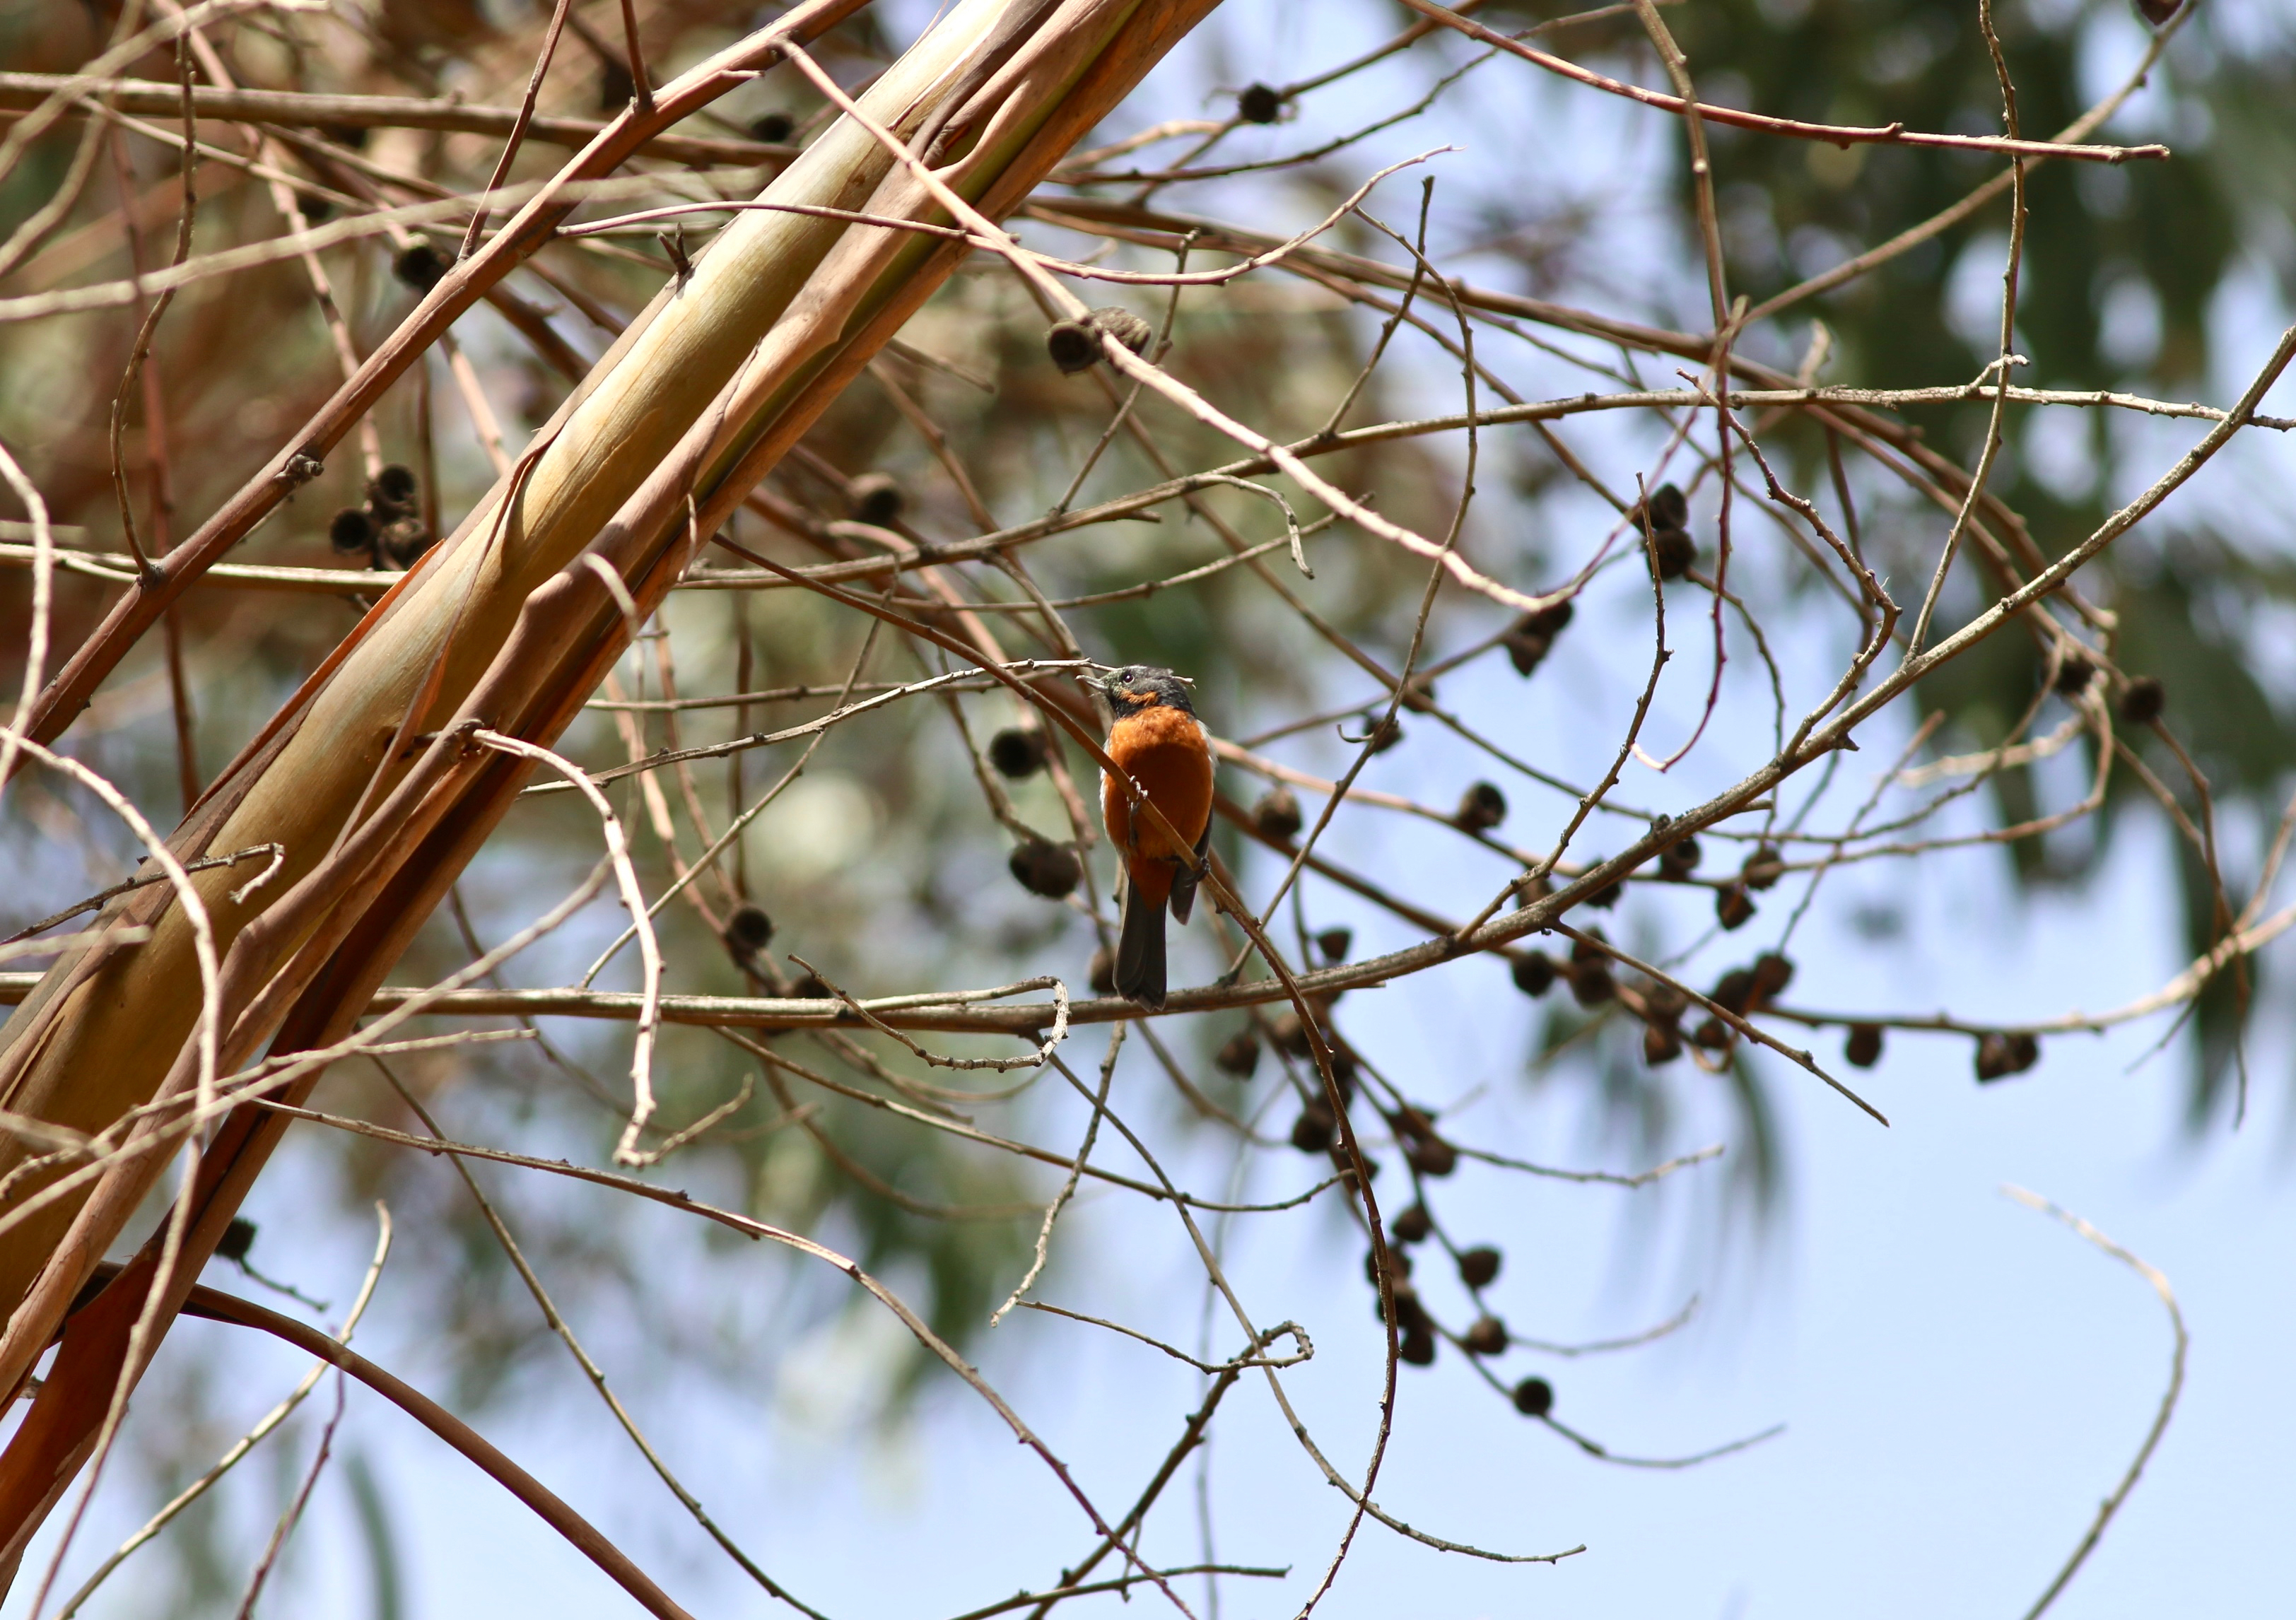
(1534, 1397)
(749, 929)
(1479, 1266)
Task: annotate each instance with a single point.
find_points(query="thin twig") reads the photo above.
(2111, 1505)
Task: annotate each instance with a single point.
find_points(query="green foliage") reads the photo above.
(2107, 251)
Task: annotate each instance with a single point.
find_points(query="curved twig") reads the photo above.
(2111, 1505)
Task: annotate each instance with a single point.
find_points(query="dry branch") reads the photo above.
(298, 110)
(506, 625)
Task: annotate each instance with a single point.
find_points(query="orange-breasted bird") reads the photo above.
(1156, 739)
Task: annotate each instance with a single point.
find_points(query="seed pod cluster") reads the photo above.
(393, 493)
(1380, 733)
(352, 532)
(2000, 1056)
(773, 128)
(1665, 515)
(1481, 807)
(1532, 638)
(1289, 1035)
(1663, 1006)
(748, 931)
(1772, 974)
(1238, 1055)
(1534, 973)
(875, 498)
(401, 545)
(2074, 673)
(1411, 1225)
(1479, 1267)
(1431, 1155)
(1763, 867)
(1018, 751)
(1662, 1003)
(1426, 1151)
(1863, 1049)
(1678, 860)
(1046, 868)
(1751, 989)
(1743, 991)
(2143, 701)
(1127, 328)
(1734, 908)
(1333, 945)
(396, 500)
(1534, 1397)
(1486, 1336)
(1408, 1311)
(1674, 552)
(1277, 815)
(237, 1239)
(1259, 103)
(1414, 1327)
(1589, 972)
(1417, 1346)
(1075, 345)
(387, 529)
(420, 265)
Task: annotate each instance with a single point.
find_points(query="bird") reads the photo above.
(1156, 740)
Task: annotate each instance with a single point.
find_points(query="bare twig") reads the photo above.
(2111, 1505)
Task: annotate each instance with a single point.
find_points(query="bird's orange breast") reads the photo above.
(1163, 750)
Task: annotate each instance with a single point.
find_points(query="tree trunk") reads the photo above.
(366, 777)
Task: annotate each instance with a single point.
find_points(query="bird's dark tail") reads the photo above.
(1139, 974)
